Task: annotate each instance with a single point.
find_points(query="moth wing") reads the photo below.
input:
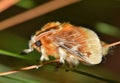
(78, 41)
(76, 54)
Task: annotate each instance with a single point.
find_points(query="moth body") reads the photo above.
(67, 42)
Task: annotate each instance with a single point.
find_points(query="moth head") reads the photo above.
(33, 44)
(45, 30)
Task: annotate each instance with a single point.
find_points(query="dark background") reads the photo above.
(87, 13)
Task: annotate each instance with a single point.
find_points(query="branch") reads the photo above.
(27, 68)
(112, 44)
(54, 61)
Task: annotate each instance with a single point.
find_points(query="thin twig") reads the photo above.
(112, 44)
(27, 68)
(54, 61)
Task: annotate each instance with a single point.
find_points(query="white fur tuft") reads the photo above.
(62, 54)
(44, 55)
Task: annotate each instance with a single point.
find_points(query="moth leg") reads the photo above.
(72, 61)
(44, 55)
(62, 55)
(58, 66)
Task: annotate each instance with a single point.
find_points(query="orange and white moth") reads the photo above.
(69, 43)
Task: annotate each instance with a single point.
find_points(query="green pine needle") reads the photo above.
(95, 76)
(107, 29)
(3, 52)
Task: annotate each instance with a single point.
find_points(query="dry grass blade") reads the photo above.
(4, 4)
(38, 11)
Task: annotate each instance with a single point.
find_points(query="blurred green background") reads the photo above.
(102, 16)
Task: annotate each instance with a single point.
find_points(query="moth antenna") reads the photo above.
(112, 44)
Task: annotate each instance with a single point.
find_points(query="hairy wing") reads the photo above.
(76, 42)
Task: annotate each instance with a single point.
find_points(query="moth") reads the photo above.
(69, 43)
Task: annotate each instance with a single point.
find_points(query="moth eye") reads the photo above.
(38, 43)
